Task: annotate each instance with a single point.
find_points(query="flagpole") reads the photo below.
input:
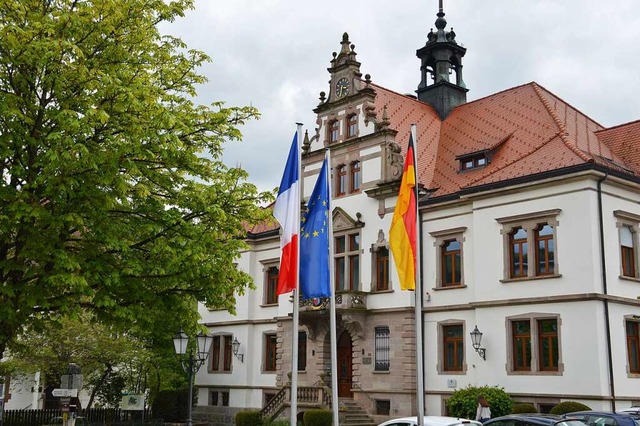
(296, 301)
(418, 295)
(332, 313)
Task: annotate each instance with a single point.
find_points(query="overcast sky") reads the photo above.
(274, 55)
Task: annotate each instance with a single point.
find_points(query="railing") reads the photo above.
(308, 396)
(356, 385)
(95, 416)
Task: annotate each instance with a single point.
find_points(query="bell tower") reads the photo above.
(439, 58)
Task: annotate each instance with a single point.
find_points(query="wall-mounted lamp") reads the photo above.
(476, 339)
(235, 345)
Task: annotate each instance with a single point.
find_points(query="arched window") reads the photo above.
(518, 252)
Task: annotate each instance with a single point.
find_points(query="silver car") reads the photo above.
(431, 421)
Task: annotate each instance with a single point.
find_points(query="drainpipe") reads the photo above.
(607, 320)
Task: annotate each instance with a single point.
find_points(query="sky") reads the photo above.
(274, 55)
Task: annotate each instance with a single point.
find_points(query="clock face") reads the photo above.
(342, 87)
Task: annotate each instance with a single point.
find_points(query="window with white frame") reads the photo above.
(221, 353)
(530, 245)
(628, 226)
(382, 341)
(534, 344)
(347, 261)
(449, 265)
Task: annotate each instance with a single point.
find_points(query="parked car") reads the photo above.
(431, 421)
(534, 420)
(606, 418)
(633, 410)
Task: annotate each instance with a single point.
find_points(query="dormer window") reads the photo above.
(472, 161)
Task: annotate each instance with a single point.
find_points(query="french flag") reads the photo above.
(287, 212)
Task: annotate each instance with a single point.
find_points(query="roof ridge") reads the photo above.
(405, 96)
(515, 160)
(616, 126)
(562, 129)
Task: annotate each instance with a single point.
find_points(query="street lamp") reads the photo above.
(235, 346)
(191, 362)
(476, 339)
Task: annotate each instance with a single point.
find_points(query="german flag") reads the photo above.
(402, 235)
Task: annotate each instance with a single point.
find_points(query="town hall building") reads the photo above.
(529, 231)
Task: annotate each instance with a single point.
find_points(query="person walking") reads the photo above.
(483, 411)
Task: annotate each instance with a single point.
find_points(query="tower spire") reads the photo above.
(440, 57)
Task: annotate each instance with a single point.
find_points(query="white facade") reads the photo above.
(552, 331)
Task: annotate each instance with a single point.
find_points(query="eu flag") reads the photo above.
(314, 241)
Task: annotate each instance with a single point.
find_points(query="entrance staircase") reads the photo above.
(354, 415)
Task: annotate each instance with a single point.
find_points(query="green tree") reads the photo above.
(110, 362)
(113, 196)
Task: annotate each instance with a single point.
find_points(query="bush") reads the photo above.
(317, 418)
(171, 405)
(276, 422)
(248, 418)
(463, 402)
(569, 407)
(523, 408)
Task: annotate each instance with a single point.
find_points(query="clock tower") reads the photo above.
(345, 72)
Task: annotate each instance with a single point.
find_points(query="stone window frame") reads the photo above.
(529, 222)
(331, 129)
(266, 266)
(380, 337)
(223, 354)
(351, 120)
(303, 351)
(220, 396)
(631, 220)
(440, 238)
(626, 319)
(352, 176)
(533, 318)
(348, 255)
(440, 362)
(265, 347)
(341, 172)
(380, 243)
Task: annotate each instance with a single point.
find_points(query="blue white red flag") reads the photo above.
(314, 241)
(287, 213)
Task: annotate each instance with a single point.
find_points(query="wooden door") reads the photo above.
(345, 365)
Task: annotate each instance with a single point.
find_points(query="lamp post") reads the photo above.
(476, 341)
(190, 361)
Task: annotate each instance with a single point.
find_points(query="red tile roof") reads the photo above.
(527, 129)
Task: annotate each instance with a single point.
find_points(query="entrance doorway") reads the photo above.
(345, 365)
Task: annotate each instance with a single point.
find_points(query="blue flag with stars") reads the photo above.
(314, 241)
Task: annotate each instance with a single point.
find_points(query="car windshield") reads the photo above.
(570, 423)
